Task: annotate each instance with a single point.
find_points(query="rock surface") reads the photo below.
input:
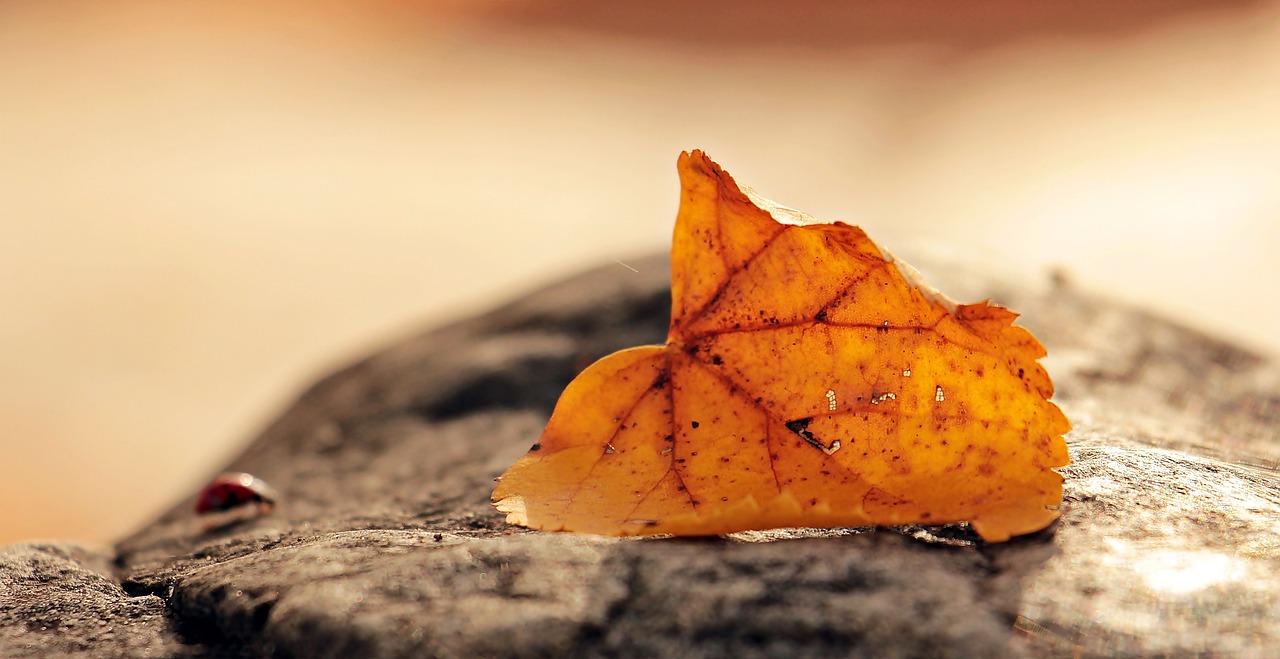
(384, 543)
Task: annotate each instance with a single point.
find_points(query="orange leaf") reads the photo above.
(809, 379)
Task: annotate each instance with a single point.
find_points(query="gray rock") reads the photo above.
(57, 600)
(384, 543)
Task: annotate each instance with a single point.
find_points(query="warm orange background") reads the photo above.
(205, 205)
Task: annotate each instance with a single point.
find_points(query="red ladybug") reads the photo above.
(233, 491)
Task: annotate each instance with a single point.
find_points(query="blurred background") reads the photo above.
(204, 206)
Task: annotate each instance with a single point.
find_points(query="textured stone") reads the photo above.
(58, 600)
(384, 543)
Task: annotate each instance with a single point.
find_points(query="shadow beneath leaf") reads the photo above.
(909, 591)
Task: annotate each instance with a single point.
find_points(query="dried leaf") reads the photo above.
(809, 379)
